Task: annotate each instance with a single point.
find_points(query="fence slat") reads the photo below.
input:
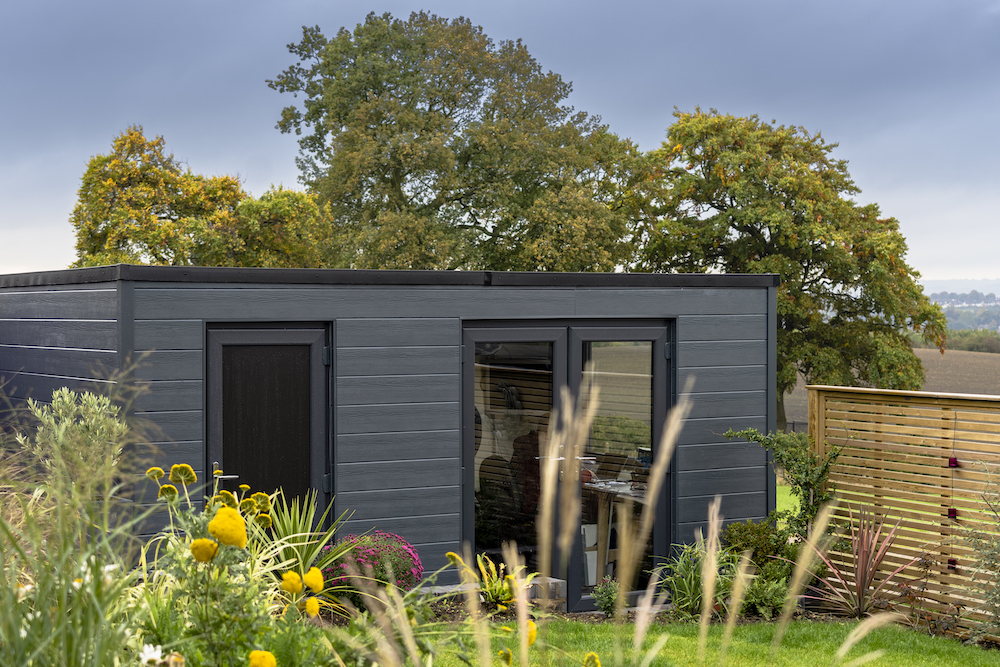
(895, 451)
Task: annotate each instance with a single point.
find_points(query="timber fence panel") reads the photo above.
(924, 460)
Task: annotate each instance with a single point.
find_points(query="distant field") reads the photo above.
(953, 372)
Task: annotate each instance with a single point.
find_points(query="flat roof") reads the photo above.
(222, 274)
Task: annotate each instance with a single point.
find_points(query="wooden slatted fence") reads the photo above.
(921, 458)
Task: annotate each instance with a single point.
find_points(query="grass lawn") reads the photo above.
(785, 499)
(806, 643)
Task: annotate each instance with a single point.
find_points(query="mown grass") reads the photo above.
(806, 643)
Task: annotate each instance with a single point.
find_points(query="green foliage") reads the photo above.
(137, 205)
(615, 433)
(212, 609)
(438, 149)
(77, 436)
(807, 473)
(858, 588)
(969, 340)
(772, 555)
(766, 595)
(606, 595)
(65, 553)
(299, 544)
(682, 573)
(986, 545)
(742, 196)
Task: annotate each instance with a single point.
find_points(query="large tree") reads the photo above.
(742, 196)
(137, 205)
(437, 148)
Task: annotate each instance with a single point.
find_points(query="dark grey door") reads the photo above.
(267, 407)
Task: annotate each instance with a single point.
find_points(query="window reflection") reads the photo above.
(618, 454)
(513, 400)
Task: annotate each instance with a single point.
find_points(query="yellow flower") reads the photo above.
(228, 499)
(505, 656)
(217, 472)
(155, 473)
(167, 492)
(204, 549)
(314, 580)
(182, 473)
(312, 607)
(291, 582)
(591, 660)
(263, 502)
(532, 632)
(262, 659)
(263, 520)
(244, 487)
(248, 506)
(229, 527)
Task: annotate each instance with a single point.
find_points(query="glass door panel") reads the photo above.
(513, 390)
(618, 453)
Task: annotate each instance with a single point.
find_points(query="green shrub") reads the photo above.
(65, 551)
(606, 595)
(986, 545)
(681, 577)
(773, 557)
(807, 473)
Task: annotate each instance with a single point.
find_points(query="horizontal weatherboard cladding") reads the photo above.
(371, 447)
(394, 332)
(389, 503)
(397, 474)
(169, 334)
(397, 363)
(87, 334)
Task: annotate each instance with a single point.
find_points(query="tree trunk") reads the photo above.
(782, 420)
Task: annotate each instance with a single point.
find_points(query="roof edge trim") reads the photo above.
(205, 274)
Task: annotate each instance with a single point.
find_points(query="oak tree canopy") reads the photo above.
(437, 148)
(742, 196)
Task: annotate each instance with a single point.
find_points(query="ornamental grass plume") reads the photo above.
(262, 659)
(228, 527)
(314, 580)
(291, 582)
(204, 549)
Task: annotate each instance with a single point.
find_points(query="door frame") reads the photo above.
(316, 336)
(507, 332)
(661, 399)
(568, 337)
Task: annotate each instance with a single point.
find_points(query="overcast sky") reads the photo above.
(909, 89)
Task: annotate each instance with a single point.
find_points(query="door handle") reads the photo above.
(215, 466)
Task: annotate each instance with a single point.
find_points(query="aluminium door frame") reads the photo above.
(661, 399)
(565, 334)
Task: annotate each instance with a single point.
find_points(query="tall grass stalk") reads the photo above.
(740, 585)
(709, 573)
(815, 543)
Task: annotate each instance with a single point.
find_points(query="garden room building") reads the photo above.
(419, 400)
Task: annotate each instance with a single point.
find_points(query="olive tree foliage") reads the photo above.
(738, 195)
(137, 205)
(437, 148)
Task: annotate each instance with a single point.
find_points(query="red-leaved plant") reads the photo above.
(859, 593)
